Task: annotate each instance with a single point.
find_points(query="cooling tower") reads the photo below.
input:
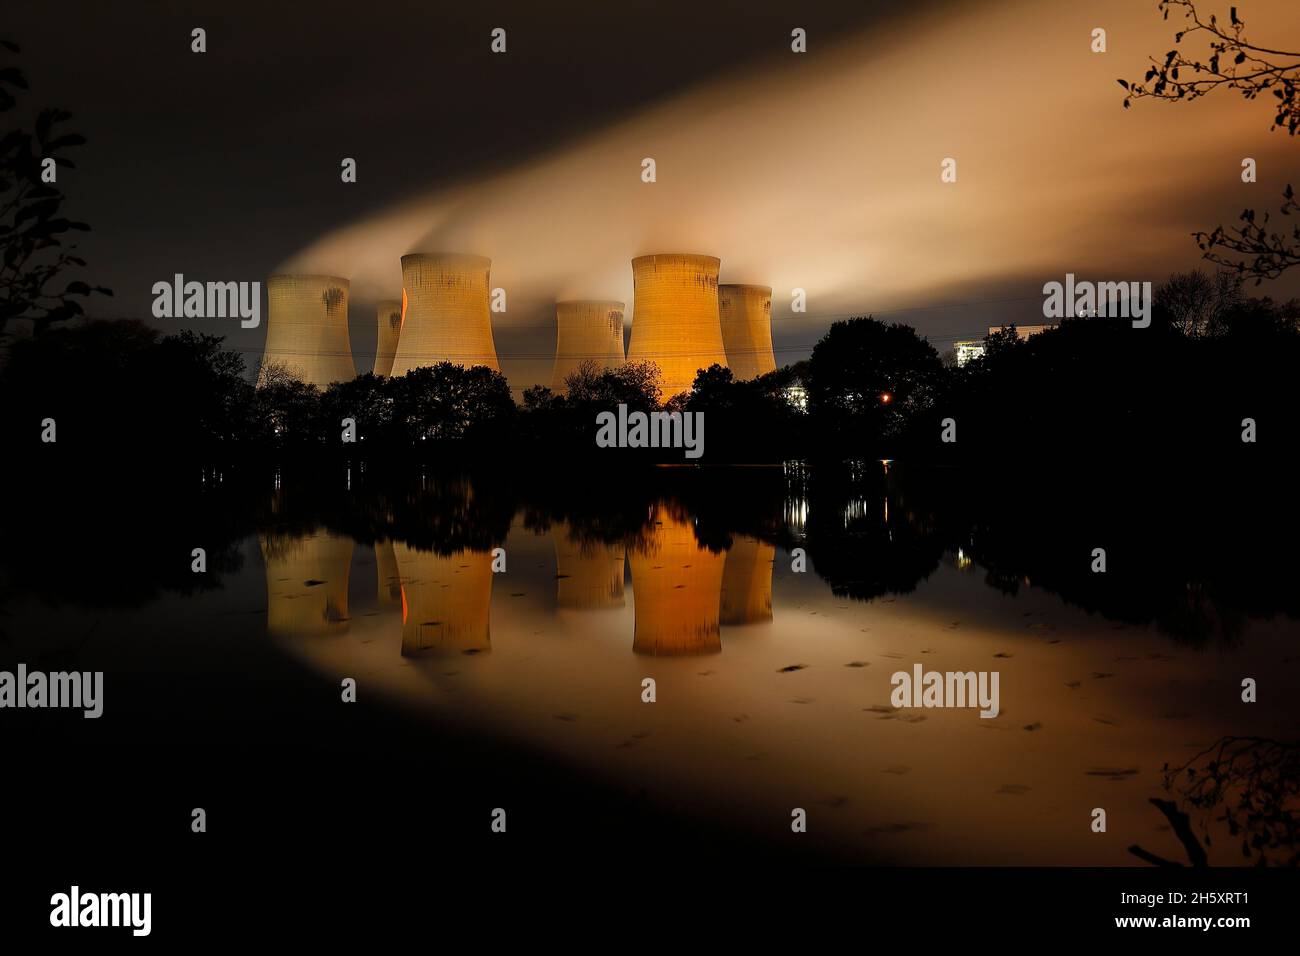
(306, 584)
(390, 323)
(586, 331)
(588, 574)
(675, 319)
(747, 582)
(390, 580)
(445, 601)
(307, 327)
(676, 590)
(445, 315)
(746, 314)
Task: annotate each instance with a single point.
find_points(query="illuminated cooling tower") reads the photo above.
(390, 323)
(586, 331)
(676, 589)
(746, 313)
(747, 582)
(390, 581)
(588, 574)
(306, 584)
(307, 327)
(445, 317)
(445, 601)
(675, 317)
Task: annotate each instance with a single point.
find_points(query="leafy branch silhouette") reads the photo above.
(1250, 783)
(1252, 249)
(33, 255)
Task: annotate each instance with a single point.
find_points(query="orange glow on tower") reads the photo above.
(675, 321)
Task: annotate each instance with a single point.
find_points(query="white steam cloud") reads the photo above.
(822, 173)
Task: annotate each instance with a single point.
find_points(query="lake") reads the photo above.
(514, 636)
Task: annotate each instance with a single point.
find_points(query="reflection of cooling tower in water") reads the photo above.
(586, 331)
(306, 584)
(747, 582)
(390, 581)
(677, 588)
(589, 574)
(389, 320)
(307, 327)
(445, 600)
(446, 316)
(675, 317)
(746, 314)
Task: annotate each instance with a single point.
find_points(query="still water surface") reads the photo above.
(774, 693)
(772, 685)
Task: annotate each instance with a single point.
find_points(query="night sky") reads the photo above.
(225, 165)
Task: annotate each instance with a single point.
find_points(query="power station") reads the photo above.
(747, 582)
(307, 327)
(306, 584)
(586, 331)
(389, 321)
(676, 589)
(746, 314)
(588, 573)
(446, 600)
(675, 321)
(445, 315)
(389, 578)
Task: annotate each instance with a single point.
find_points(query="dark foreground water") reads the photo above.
(523, 688)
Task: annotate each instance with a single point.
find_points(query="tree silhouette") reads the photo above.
(1249, 783)
(1252, 249)
(33, 256)
(1198, 303)
(635, 384)
(866, 379)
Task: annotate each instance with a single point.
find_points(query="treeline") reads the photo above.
(1213, 365)
(1214, 368)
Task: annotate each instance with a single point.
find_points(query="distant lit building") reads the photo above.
(797, 396)
(968, 351)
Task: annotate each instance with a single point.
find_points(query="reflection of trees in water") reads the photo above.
(617, 510)
(864, 536)
(1154, 575)
(116, 543)
(867, 533)
(872, 531)
(1251, 785)
(444, 512)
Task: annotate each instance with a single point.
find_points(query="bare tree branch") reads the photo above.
(1250, 249)
(1233, 63)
